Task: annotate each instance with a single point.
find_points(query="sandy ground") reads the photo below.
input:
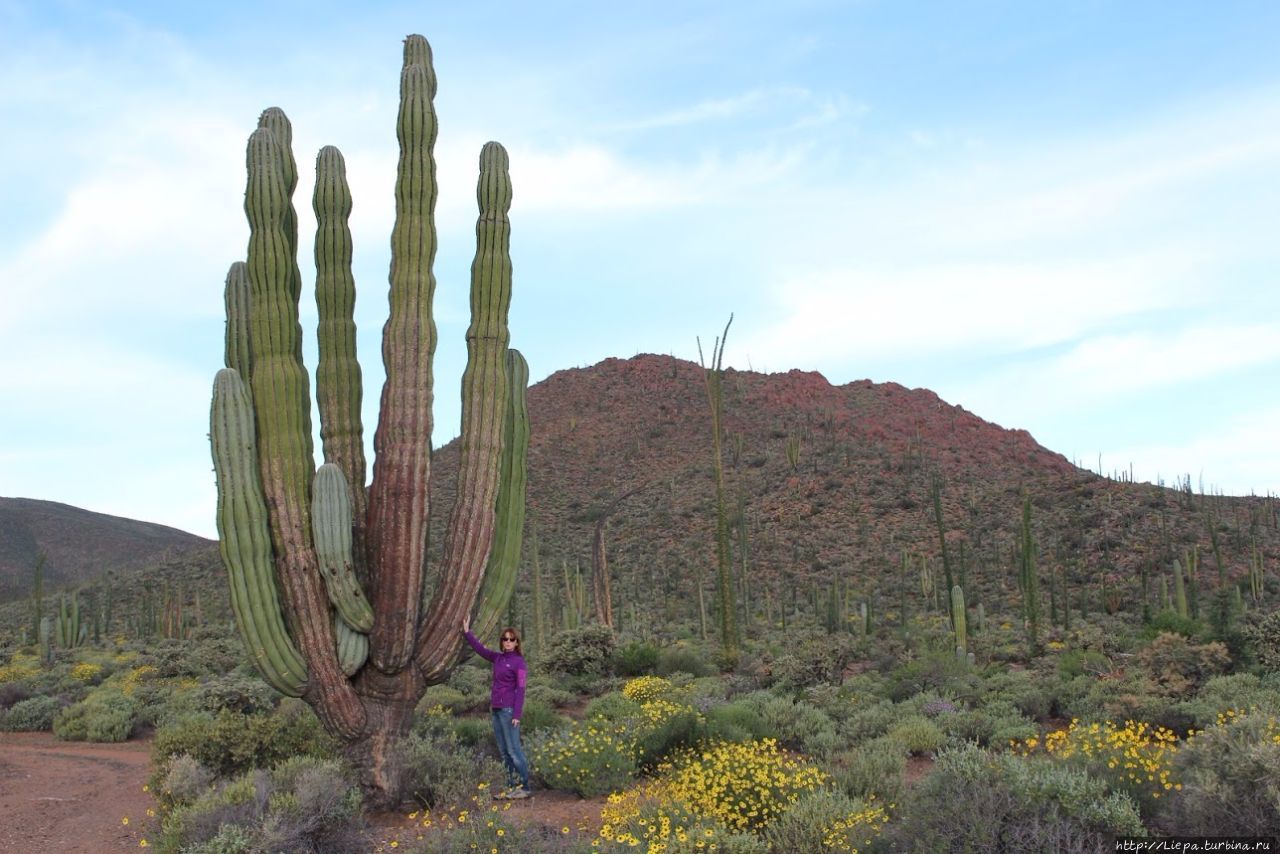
(69, 796)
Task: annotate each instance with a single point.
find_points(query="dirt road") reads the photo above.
(72, 796)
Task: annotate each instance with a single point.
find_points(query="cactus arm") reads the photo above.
(504, 559)
(331, 526)
(282, 407)
(274, 120)
(353, 646)
(338, 379)
(237, 296)
(399, 497)
(244, 540)
(468, 537)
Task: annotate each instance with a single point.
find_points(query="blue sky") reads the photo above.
(1062, 217)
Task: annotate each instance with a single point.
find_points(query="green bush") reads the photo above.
(613, 706)
(1262, 634)
(304, 804)
(735, 721)
(918, 735)
(826, 820)
(1230, 781)
(105, 715)
(1169, 621)
(447, 697)
(537, 715)
(974, 801)
(935, 672)
(873, 768)
(815, 660)
(1179, 667)
(585, 653)
(438, 770)
(186, 780)
(1237, 691)
(870, 720)
(35, 714)
(683, 659)
(636, 658)
(592, 757)
(231, 743)
(795, 724)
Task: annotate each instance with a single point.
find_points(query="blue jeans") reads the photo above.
(508, 737)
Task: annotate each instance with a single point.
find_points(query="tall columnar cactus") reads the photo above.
(326, 572)
(959, 622)
(1029, 580)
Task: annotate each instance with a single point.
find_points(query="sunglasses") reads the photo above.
(506, 639)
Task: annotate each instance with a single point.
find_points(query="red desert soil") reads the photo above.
(70, 796)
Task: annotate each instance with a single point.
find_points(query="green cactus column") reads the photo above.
(326, 576)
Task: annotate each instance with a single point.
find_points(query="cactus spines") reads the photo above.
(244, 540)
(331, 526)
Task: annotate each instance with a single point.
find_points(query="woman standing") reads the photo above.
(506, 702)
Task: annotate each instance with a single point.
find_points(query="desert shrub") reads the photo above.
(1179, 666)
(473, 680)
(584, 653)
(1262, 634)
(650, 816)
(815, 660)
(1135, 758)
(647, 688)
(1170, 621)
(304, 804)
(795, 724)
(437, 769)
(1083, 662)
(236, 692)
(744, 786)
(826, 820)
(446, 696)
(662, 727)
(474, 732)
(35, 714)
(12, 693)
(486, 828)
(1229, 779)
(230, 743)
(636, 658)
(1233, 691)
(918, 735)
(1025, 690)
(735, 721)
(542, 691)
(974, 801)
(938, 672)
(612, 707)
(105, 715)
(592, 757)
(537, 715)
(1132, 695)
(683, 659)
(870, 720)
(186, 780)
(873, 768)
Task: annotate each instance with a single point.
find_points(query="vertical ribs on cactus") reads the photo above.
(325, 570)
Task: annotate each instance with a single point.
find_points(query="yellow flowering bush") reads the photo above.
(85, 670)
(743, 785)
(592, 757)
(646, 689)
(129, 682)
(653, 819)
(1136, 758)
(21, 666)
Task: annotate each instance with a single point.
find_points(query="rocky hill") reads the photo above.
(78, 545)
(828, 487)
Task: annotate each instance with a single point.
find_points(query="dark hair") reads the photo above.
(510, 632)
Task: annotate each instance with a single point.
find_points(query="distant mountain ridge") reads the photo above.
(79, 545)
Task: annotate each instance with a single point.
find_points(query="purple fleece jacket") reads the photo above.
(509, 677)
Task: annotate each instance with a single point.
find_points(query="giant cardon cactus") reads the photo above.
(326, 575)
